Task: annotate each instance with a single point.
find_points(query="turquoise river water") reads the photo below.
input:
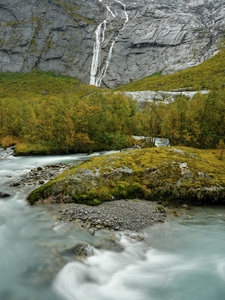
(182, 259)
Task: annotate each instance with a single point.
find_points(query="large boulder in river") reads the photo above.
(175, 175)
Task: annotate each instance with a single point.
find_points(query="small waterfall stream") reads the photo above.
(99, 67)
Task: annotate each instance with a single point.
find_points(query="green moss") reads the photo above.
(34, 197)
(38, 194)
(175, 175)
(160, 208)
(94, 202)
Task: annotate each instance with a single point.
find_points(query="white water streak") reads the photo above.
(109, 10)
(125, 12)
(96, 52)
(104, 70)
(94, 79)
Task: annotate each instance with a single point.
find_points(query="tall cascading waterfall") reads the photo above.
(98, 72)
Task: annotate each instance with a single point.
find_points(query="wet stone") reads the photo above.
(133, 215)
(40, 175)
(4, 195)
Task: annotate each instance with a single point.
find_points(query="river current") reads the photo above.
(184, 258)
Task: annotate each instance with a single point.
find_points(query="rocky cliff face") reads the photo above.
(108, 42)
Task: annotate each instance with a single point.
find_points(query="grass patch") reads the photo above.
(39, 85)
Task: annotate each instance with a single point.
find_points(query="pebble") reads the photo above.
(41, 175)
(126, 215)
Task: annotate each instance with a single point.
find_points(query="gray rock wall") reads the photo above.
(148, 36)
(51, 35)
(143, 97)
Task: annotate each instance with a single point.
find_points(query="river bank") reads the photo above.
(120, 215)
(43, 257)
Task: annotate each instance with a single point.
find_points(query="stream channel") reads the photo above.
(183, 258)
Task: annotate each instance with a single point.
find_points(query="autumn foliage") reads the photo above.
(100, 121)
(46, 113)
(197, 122)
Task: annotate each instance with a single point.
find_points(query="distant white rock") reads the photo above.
(166, 97)
(159, 142)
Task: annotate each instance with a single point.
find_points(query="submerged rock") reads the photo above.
(170, 175)
(80, 250)
(4, 195)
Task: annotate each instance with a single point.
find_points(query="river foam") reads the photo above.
(181, 259)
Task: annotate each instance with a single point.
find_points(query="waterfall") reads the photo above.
(125, 12)
(98, 72)
(104, 69)
(97, 51)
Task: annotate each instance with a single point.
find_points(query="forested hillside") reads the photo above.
(197, 122)
(46, 113)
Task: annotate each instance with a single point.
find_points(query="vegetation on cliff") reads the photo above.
(209, 75)
(172, 175)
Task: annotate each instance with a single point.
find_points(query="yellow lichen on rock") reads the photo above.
(172, 174)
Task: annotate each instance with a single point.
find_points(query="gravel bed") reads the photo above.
(119, 215)
(41, 175)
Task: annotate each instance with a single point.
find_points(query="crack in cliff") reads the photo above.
(6, 52)
(9, 52)
(54, 58)
(9, 11)
(152, 44)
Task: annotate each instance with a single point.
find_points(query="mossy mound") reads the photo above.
(173, 175)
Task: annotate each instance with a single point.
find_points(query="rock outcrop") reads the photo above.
(174, 175)
(131, 40)
(142, 97)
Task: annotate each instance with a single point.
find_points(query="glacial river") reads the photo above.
(182, 259)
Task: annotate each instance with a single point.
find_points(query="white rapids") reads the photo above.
(180, 259)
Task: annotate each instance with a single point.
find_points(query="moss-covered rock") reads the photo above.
(172, 175)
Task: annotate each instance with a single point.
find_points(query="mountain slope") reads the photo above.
(130, 40)
(208, 75)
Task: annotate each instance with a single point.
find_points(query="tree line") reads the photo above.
(197, 122)
(105, 120)
(66, 124)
